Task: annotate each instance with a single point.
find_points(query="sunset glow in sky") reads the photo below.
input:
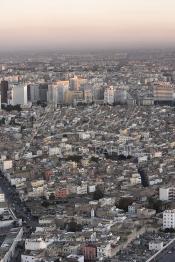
(86, 23)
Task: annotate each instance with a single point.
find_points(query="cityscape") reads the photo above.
(87, 134)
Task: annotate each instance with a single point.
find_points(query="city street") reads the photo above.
(18, 207)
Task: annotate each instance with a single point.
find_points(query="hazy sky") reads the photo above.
(86, 23)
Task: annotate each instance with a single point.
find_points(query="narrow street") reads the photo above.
(19, 208)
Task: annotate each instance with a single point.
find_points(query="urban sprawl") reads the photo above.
(87, 156)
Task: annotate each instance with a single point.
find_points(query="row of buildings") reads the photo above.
(61, 160)
(76, 91)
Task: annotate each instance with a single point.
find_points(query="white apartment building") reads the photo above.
(107, 249)
(167, 194)
(132, 209)
(135, 179)
(35, 244)
(7, 164)
(2, 197)
(109, 95)
(82, 190)
(19, 94)
(84, 135)
(54, 151)
(169, 219)
(155, 245)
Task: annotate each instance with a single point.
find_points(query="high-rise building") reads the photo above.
(56, 92)
(43, 89)
(4, 91)
(82, 83)
(144, 177)
(73, 97)
(19, 94)
(88, 96)
(163, 92)
(74, 83)
(109, 95)
(34, 93)
(169, 219)
(28, 93)
(98, 92)
(120, 95)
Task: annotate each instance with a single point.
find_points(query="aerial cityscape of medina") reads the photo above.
(87, 131)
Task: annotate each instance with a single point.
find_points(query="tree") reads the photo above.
(73, 226)
(11, 108)
(17, 108)
(38, 103)
(52, 196)
(75, 158)
(98, 194)
(124, 203)
(45, 204)
(94, 159)
(32, 119)
(2, 121)
(169, 230)
(155, 204)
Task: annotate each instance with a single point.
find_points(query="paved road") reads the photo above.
(167, 255)
(18, 207)
(21, 211)
(167, 258)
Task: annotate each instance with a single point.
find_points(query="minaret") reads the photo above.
(92, 213)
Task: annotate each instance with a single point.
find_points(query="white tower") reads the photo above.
(92, 213)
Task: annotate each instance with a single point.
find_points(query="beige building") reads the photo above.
(163, 91)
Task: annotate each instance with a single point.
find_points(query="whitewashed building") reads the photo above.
(169, 219)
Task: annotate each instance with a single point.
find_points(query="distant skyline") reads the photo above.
(73, 24)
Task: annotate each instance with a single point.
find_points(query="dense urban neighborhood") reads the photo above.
(87, 156)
